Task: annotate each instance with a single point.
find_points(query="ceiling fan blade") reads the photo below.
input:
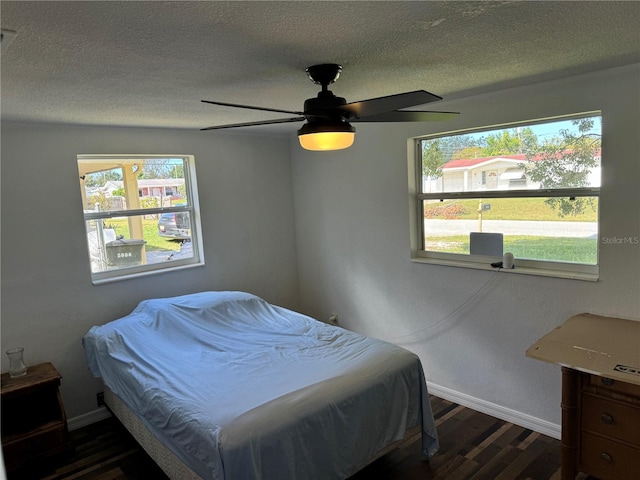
(250, 124)
(249, 107)
(408, 116)
(377, 106)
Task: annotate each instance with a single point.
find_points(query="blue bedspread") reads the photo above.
(240, 389)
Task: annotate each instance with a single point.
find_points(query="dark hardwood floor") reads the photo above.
(472, 446)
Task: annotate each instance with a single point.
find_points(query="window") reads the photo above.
(531, 189)
(141, 214)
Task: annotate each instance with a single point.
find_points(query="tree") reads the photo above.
(98, 179)
(432, 159)
(566, 162)
(469, 152)
(510, 142)
(439, 151)
(458, 146)
(153, 168)
(161, 168)
(100, 198)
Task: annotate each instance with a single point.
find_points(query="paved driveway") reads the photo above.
(157, 256)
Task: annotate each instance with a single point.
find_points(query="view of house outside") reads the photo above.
(115, 191)
(537, 185)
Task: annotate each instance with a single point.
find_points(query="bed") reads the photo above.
(225, 386)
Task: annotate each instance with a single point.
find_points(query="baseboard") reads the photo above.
(88, 418)
(512, 416)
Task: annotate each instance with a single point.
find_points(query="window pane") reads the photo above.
(141, 214)
(550, 155)
(553, 229)
(111, 184)
(124, 242)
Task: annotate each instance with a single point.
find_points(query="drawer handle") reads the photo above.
(606, 457)
(607, 382)
(607, 419)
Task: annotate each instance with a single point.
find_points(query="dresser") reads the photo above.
(34, 423)
(600, 359)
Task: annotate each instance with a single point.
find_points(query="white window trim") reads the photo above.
(99, 278)
(480, 262)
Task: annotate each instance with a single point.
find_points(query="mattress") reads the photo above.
(165, 458)
(237, 388)
(171, 464)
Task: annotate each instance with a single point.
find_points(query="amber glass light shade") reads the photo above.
(325, 136)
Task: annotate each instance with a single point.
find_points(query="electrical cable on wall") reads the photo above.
(410, 337)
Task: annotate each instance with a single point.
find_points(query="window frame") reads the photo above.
(547, 268)
(193, 209)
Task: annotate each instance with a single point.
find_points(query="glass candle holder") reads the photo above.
(17, 368)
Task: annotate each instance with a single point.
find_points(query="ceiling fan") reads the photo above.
(327, 116)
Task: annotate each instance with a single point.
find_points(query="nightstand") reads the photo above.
(34, 423)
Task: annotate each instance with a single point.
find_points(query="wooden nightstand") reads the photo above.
(34, 423)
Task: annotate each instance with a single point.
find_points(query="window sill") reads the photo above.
(541, 272)
(145, 273)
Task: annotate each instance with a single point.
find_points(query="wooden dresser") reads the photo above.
(600, 427)
(34, 422)
(600, 358)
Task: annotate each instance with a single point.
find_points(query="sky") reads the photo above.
(547, 129)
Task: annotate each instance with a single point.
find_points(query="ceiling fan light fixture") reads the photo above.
(326, 135)
(327, 115)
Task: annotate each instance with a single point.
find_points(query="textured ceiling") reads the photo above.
(149, 63)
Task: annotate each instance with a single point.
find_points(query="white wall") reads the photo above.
(471, 328)
(48, 301)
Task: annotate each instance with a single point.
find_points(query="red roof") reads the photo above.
(469, 162)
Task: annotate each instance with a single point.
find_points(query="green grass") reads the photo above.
(559, 249)
(516, 209)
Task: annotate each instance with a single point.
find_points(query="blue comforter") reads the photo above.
(240, 389)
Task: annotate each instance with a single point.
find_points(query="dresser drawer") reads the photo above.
(607, 459)
(49, 440)
(608, 386)
(611, 418)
